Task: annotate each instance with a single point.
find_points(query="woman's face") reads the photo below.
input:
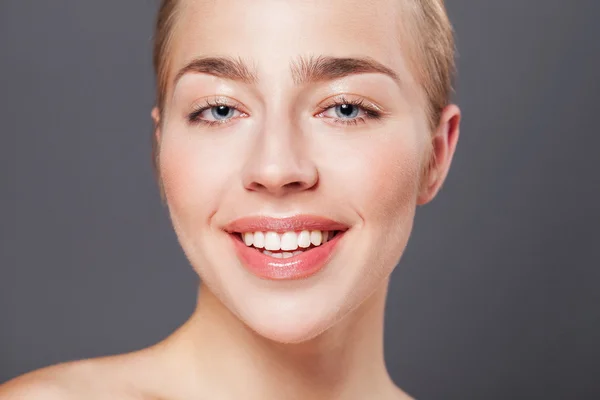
(312, 113)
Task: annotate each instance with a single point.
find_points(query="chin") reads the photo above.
(289, 326)
(284, 315)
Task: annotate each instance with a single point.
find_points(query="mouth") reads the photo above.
(286, 245)
(286, 255)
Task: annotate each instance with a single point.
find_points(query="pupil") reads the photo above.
(348, 110)
(221, 112)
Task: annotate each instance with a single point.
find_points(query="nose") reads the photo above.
(278, 162)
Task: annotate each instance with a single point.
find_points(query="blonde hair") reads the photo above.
(433, 49)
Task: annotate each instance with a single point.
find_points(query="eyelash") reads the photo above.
(370, 112)
(194, 116)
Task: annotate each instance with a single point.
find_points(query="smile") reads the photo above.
(292, 248)
(288, 244)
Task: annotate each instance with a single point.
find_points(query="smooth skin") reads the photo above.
(280, 153)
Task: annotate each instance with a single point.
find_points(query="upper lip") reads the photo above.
(280, 225)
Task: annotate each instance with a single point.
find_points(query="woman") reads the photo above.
(293, 143)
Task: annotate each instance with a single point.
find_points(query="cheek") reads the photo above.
(179, 167)
(194, 176)
(387, 188)
(384, 178)
(392, 182)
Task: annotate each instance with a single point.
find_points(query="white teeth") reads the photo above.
(272, 241)
(259, 240)
(289, 241)
(316, 237)
(285, 254)
(248, 238)
(304, 239)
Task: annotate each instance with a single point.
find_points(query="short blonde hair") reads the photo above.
(433, 53)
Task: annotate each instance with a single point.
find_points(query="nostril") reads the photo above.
(295, 185)
(258, 186)
(290, 187)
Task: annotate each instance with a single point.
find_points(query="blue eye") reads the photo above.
(213, 113)
(347, 111)
(221, 113)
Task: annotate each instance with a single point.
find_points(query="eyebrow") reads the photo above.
(222, 67)
(326, 68)
(304, 70)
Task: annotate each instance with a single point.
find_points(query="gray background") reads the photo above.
(497, 295)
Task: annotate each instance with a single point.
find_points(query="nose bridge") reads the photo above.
(278, 163)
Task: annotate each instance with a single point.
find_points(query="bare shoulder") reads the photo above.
(32, 388)
(102, 378)
(55, 382)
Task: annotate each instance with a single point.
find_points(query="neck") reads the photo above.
(226, 357)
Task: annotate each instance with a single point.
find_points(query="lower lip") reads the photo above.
(303, 265)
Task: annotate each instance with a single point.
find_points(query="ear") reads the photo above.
(443, 145)
(155, 114)
(156, 137)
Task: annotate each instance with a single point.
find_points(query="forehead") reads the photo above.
(272, 33)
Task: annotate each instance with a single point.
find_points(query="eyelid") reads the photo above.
(347, 98)
(212, 101)
(202, 105)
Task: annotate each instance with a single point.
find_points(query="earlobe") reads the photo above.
(156, 137)
(155, 114)
(443, 145)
